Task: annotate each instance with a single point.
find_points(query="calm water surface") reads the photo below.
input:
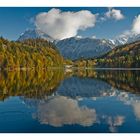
(70, 101)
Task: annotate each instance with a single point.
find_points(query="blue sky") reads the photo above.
(14, 21)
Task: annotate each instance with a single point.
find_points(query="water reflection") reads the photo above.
(30, 83)
(136, 107)
(103, 101)
(114, 122)
(61, 110)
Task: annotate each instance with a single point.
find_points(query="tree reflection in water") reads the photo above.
(58, 95)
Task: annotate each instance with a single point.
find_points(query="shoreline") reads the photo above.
(105, 68)
(70, 68)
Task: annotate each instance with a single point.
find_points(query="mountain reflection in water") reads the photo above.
(78, 100)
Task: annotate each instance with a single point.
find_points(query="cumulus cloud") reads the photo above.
(114, 13)
(60, 25)
(134, 30)
(61, 110)
(136, 25)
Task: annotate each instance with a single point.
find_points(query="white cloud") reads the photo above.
(61, 110)
(119, 120)
(102, 19)
(114, 13)
(114, 122)
(136, 25)
(135, 29)
(60, 25)
(136, 107)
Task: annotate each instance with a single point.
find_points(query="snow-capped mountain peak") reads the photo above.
(33, 34)
(126, 38)
(75, 48)
(82, 47)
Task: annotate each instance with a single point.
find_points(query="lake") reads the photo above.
(72, 100)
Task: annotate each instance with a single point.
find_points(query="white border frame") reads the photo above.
(69, 3)
(70, 136)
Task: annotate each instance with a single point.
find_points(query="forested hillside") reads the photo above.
(125, 56)
(29, 53)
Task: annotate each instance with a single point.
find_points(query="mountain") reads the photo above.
(33, 34)
(76, 48)
(125, 56)
(131, 49)
(126, 39)
(75, 87)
